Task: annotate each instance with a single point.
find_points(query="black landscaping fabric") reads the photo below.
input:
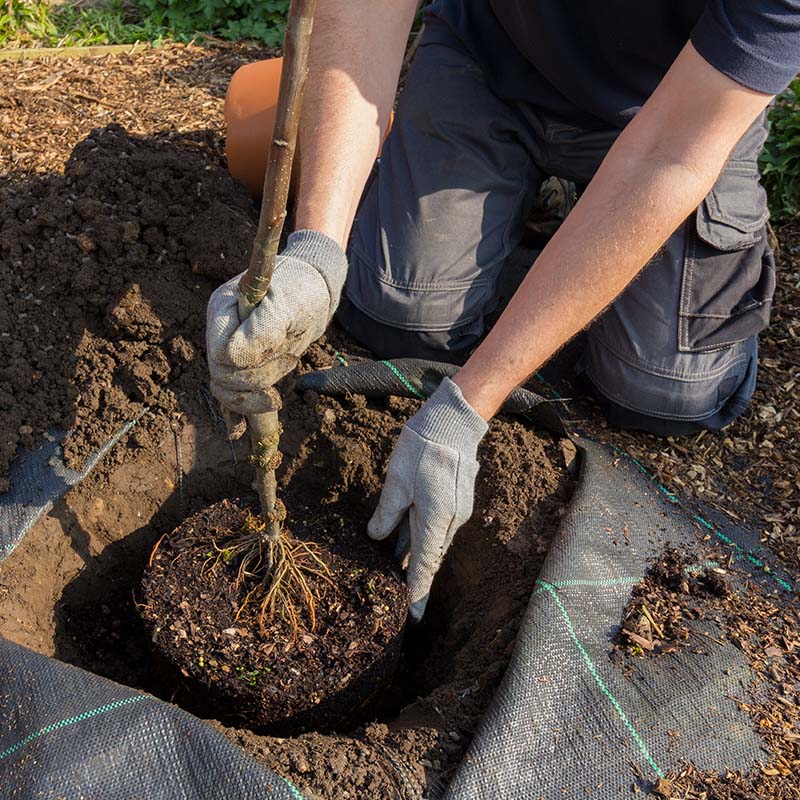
(39, 479)
(570, 721)
(71, 735)
(567, 721)
(416, 377)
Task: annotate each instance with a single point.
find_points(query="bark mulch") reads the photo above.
(48, 105)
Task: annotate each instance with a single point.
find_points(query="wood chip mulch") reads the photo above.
(765, 626)
(49, 105)
(682, 587)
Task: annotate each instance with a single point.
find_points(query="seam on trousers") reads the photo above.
(414, 327)
(710, 348)
(625, 403)
(751, 307)
(686, 282)
(662, 372)
(421, 286)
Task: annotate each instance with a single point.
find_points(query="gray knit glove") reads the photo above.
(247, 358)
(431, 477)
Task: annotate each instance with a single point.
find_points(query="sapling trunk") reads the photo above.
(265, 551)
(265, 429)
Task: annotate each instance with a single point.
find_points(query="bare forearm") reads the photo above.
(356, 53)
(655, 175)
(624, 217)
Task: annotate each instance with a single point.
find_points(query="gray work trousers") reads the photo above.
(676, 352)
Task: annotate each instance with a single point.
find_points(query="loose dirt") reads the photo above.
(454, 659)
(106, 273)
(129, 294)
(292, 668)
(672, 592)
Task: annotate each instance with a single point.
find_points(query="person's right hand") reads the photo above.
(430, 486)
(247, 358)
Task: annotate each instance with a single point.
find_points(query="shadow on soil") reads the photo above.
(107, 270)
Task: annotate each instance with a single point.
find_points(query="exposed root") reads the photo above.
(280, 565)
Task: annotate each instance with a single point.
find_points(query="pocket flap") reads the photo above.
(733, 214)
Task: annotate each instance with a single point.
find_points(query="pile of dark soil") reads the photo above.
(749, 615)
(273, 672)
(106, 271)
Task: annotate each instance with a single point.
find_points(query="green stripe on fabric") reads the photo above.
(402, 378)
(738, 549)
(553, 390)
(293, 789)
(552, 591)
(65, 723)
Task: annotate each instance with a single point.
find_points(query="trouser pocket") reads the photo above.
(729, 270)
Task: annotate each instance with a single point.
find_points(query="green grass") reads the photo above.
(780, 161)
(34, 23)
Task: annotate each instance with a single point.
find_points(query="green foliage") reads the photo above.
(780, 161)
(263, 20)
(35, 23)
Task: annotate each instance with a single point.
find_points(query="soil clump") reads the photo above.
(454, 659)
(674, 590)
(271, 672)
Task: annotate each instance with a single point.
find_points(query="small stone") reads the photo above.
(301, 763)
(25, 430)
(86, 243)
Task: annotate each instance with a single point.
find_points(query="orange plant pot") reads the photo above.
(250, 106)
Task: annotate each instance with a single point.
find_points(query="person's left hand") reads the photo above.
(431, 478)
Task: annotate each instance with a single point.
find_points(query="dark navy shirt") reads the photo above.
(601, 59)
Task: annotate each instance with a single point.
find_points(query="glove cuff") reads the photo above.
(325, 255)
(448, 419)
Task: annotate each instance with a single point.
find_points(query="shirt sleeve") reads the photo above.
(755, 42)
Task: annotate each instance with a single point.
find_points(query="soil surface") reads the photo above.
(329, 670)
(130, 341)
(106, 272)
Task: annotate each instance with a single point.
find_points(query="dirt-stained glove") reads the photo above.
(247, 358)
(431, 477)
